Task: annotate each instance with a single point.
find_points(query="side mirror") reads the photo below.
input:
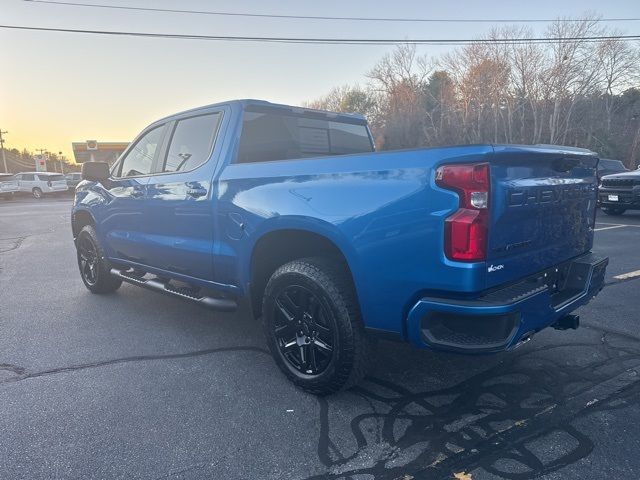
(95, 171)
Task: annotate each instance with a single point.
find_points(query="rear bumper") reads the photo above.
(8, 189)
(499, 319)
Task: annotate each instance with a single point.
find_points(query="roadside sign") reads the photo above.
(41, 162)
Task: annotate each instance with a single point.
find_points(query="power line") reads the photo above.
(324, 17)
(331, 41)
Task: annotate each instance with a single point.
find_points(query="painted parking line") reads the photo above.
(617, 224)
(608, 228)
(626, 276)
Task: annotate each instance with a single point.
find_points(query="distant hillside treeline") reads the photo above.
(583, 93)
(23, 161)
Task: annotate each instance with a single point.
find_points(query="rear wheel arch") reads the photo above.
(313, 325)
(278, 247)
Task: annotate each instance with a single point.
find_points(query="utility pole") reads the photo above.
(4, 159)
(61, 158)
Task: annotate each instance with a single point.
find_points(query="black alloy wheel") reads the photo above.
(313, 325)
(88, 260)
(304, 330)
(94, 268)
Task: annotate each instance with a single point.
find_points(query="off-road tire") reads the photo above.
(331, 283)
(97, 279)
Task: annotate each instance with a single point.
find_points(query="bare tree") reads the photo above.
(576, 91)
(618, 63)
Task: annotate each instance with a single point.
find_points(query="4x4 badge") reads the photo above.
(495, 268)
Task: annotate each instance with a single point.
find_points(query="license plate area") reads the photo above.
(612, 198)
(555, 278)
(581, 276)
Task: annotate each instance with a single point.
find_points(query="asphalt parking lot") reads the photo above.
(134, 385)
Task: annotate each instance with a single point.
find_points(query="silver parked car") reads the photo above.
(8, 185)
(73, 179)
(40, 183)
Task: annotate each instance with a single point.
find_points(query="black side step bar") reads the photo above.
(222, 304)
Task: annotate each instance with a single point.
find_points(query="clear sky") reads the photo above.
(56, 88)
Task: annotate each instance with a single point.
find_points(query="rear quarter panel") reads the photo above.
(382, 210)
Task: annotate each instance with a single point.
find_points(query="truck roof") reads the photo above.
(248, 102)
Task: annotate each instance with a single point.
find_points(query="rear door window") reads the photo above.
(28, 177)
(273, 135)
(191, 142)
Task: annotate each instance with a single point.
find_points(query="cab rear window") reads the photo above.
(271, 135)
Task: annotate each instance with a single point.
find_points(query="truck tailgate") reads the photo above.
(543, 204)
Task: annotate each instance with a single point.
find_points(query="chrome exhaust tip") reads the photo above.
(526, 338)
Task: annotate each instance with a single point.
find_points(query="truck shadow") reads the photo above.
(498, 419)
(422, 414)
(428, 414)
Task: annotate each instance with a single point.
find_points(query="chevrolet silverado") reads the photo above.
(470, 249)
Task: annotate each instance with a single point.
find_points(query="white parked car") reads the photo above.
(40, 183)
(8, 185)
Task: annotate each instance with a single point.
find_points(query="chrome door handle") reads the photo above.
(196, 192)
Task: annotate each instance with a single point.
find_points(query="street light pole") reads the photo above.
(4, 159)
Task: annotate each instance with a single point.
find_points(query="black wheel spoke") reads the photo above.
(303, 356)
(286, 312)
(282, 329)
(312, 357)
(289, 345)
(303, 301)
(322, 345)
(304, 330)
(88, 259)
(288, 304)
(322, 329)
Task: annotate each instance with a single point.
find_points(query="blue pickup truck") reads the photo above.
(469, 249)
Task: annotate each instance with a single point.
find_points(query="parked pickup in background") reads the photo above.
(471, 249)
(607, 166)
(620, 192)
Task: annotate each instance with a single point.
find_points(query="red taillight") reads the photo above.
(467, 229)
